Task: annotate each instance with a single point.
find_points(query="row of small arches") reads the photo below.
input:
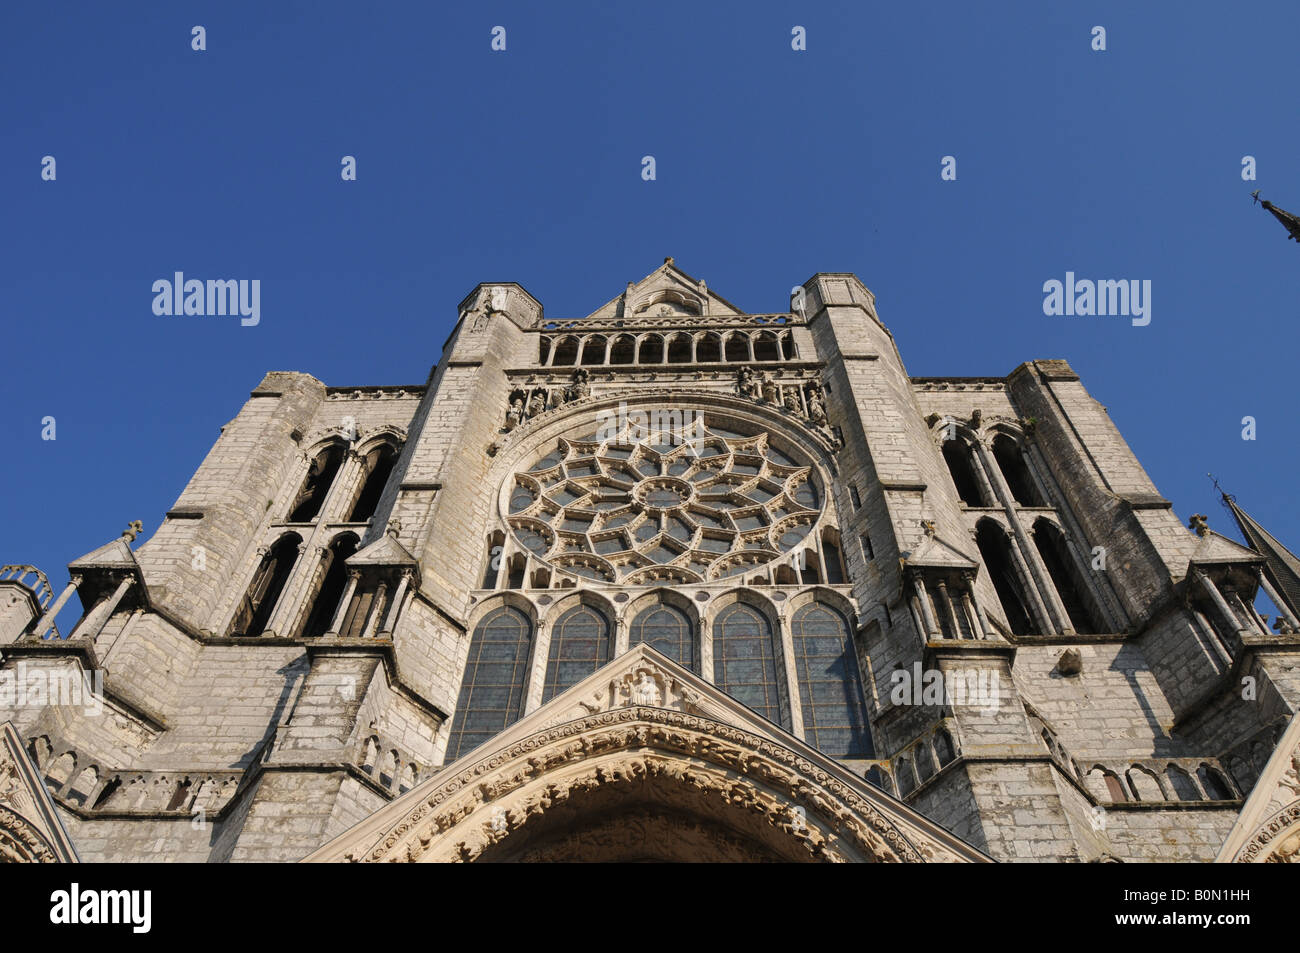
(1142, 783)
(91, 788)
(748, 664)
(387, 766)
(706, 347)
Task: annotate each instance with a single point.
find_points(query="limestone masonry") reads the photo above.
(671, 581)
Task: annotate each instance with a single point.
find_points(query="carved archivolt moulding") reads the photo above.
(21, 842)
(744, 786)
(1268, 830)
(1277, 841)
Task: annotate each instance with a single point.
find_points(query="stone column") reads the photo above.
(1248, 612)
(945, 600)
(979, 622)
(1208, 633)
(376, 610)
(914, 603)
(1046, 585)
(47, 620)
(287, 603)
(1027, 583)
(535, 676)
(354, 576)
(620, 637)
(1277, 600)
(706, 650)
(981, 473)
(1229, 617)
(927, 614)
(95, 619)
(395, 611)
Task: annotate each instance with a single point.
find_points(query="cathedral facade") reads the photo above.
(672, 581)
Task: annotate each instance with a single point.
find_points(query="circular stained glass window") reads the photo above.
(708, 502)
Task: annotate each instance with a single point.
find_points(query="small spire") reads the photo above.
(133, 529)
(1291, 222)
(668, 260)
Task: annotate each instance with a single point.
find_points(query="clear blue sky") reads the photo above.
(524, 166)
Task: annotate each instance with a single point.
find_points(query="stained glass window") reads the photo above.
(667, 630)
(492, 693)
(676, 476)
(746, 662)
(834, 710)
(579, 646)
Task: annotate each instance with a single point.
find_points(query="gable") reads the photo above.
(666, 292)
(30, 829)
(636, 754)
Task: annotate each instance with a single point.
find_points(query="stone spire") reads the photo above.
(1281, 566)
(1291, 222)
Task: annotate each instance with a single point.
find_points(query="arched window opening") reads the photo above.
(518, 566)
(593, 351)
(943, 747)
(831, 556)
(332, 588)
(924, 762)
(566, 352)
(995, 550)
(543, 348)
(679, 349)
(809, 567)
(624, 350)
(1073, 590)
(746, 662)
(667, 630)
(652, 350)
(766, 347)
(492, 564)
(61, 770)
(492, 692)
(1014, 470)
(320, 476)
(787, 347)
(1181, 783)
(379, 467)
(876, 776)
(1215, 787)
(956, 454)
(737, 346)
(708, 349)
(179, 795)
(904, 776)
(834, 709)
(579, 646)
(1114, 787)
(107, 791)
(264, 591)
(1144, 785)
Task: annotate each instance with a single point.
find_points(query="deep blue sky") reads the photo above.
(525, 166)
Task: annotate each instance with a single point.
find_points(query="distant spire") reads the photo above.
(1280, 564)
(1291, 222)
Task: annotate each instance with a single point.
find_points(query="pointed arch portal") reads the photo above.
(644, 761)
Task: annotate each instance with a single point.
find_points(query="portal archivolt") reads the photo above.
(642, 783)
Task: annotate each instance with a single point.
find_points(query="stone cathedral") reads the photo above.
(669, 582)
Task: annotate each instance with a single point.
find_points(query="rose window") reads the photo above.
(681, 504)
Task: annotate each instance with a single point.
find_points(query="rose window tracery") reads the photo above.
(686, 504)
